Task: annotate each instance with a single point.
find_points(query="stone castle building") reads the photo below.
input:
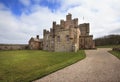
(35, 43)
(67, 36)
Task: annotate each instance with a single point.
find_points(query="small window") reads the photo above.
(67, 37)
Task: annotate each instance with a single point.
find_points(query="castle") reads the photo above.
(64, 37)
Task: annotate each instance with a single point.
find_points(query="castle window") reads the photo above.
(58, 38)
(67, 37)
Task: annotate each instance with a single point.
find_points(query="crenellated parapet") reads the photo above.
(67, 36)
(45, 32)
(66, 24)
(75, 22)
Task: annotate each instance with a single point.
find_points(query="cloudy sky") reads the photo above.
(22, 19)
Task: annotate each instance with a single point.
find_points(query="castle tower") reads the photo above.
(44, 32)
(68, 17)
(75, 21)
(84, 28)
(67, 36)
(62, 23)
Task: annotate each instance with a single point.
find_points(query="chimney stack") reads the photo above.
(54, 24)
(37, 36)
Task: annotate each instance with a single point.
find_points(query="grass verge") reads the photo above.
(28, 65)
(115, 53)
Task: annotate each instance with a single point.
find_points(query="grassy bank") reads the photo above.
(28, 65)
(115, 53)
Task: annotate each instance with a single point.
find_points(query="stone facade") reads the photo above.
(13, 46)
(35, 43)
(67, 36)
(64, 37)
(85, 40)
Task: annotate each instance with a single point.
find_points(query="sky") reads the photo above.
(22, 19)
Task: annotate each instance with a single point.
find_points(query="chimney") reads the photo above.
(54, 24)
(37, 36)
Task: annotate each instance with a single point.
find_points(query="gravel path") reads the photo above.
(98, 66)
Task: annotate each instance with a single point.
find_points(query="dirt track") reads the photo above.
(98, 66)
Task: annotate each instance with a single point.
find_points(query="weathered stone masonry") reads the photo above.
(68, 36)
(85, 40)
(64, 37)
(35, 43)
(13, 46)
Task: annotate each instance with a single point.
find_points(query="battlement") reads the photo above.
(66, 24)
(45, 32)
(84, 25)
(66, 36)
(75, 22)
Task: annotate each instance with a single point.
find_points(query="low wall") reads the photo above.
(13, 46)
(116, 49)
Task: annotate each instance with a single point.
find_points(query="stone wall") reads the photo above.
(35, 43)
(84, 28)
(67, 36)
(62, 43)
(116, 49)
(13, 46)
(62, 37)
(86, 42)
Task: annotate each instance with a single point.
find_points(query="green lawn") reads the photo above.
(115, 53)
(108, 46)
(28, 65)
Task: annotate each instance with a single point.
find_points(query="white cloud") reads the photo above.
(9, 28)
(13, 30)
(103, 16)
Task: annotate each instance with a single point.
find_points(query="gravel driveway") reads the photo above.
(98, 66)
